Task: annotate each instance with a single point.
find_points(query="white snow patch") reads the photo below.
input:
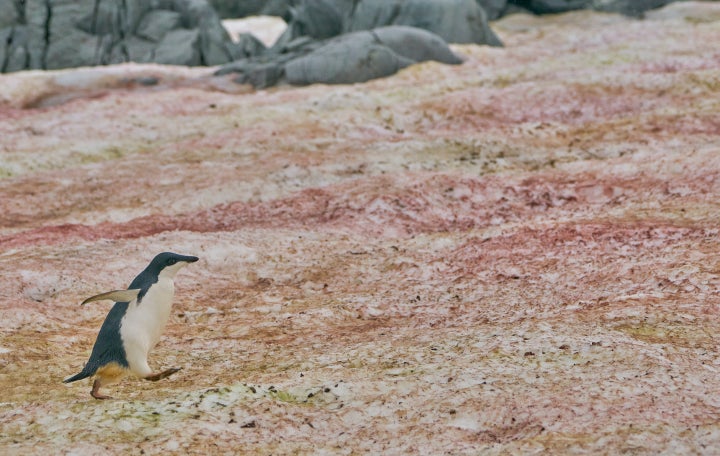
(265, 28)
(468, 423)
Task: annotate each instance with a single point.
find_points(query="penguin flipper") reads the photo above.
(115, 295)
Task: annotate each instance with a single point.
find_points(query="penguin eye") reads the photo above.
(171, 261)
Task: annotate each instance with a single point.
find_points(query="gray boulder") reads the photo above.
(349, 58)
(552, 6)
(154, 25)
(10, 14)
(493, 8)
(343, 62)
(415, 44)
(627, 7)
(265, 70)
(42, 34)
(317, 19)
(231, 9)
(456, 21)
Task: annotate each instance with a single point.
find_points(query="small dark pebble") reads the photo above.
(529, 354)
(327, 390)
(147, 80)
(251, 424)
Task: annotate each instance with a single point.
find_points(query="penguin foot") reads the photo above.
(96, 391)
(161, 375)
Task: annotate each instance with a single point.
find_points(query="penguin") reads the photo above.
(134, 325)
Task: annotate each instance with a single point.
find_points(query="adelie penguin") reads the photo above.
(134, 325)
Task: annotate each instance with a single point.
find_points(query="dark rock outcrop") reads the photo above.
(40, 34)
(349, 58)
(456, 21)
(365, 55)
(627, 7)
(552, 6)
(493, 8)
(347, 41)
(232, 9)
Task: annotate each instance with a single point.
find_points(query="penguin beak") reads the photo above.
(190, 259)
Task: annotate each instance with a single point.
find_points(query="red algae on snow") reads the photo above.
(515, 255)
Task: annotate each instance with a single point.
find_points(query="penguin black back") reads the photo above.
(108, 346)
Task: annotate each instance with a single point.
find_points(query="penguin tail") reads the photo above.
(77, 377)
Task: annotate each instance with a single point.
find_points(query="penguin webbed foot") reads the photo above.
(96, 391)
(161, 375)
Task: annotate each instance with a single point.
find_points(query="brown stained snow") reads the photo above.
(515, 255)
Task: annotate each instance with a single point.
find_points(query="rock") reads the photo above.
(247, 46)
(314, 19)
(349, 58)
(365, 55)
(456, 21)
(355, 57)
(280, 8)
(179, 47)
(260, 74)
(14, 55)
(416, 44)
(69, 33)
(515, 9)
(232, 9)
(627, 7)
(215, 46)
(318, 19)
(552, 6)
(140, 50)
(493, 8)
(34, 18)
(71, 45)
(10, 15)
(156, 24)
(237, 8)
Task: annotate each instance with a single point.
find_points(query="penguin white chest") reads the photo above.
(144, 322)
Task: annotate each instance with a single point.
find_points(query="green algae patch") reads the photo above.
(286, 396)
(104, 154)
(668, 333)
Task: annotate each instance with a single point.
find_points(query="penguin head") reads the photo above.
(167, 264)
